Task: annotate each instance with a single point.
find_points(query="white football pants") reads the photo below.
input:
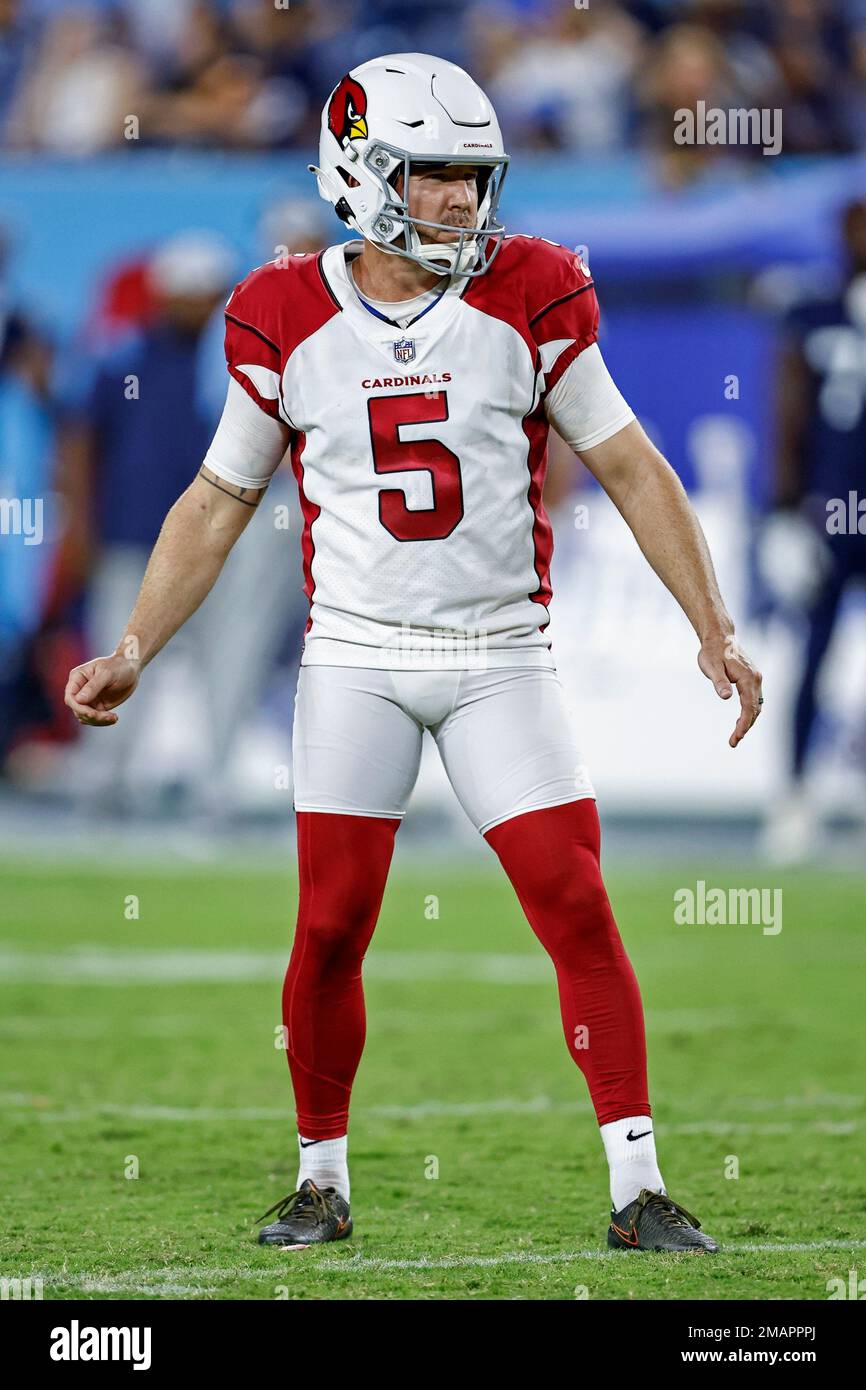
(504, 735)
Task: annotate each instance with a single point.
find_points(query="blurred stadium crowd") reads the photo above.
(251, 74)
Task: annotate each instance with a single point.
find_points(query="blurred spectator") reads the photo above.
(127, 301)
(81, 85)
(157, 29)
(17, 42)
(246, 77)
(297, 225)
(295, 50)
(809, 42)
(207, 96)
(687, 63)
(566, 86)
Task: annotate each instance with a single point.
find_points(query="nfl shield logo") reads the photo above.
(404, 350)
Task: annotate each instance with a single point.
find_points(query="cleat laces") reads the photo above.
(300, 1206)
(671, 1213)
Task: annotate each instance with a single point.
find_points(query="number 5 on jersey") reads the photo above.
(391, 454)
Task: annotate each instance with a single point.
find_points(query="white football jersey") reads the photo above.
(420, 451)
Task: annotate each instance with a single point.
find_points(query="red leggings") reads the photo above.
(551, 857)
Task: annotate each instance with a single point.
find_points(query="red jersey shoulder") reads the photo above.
(282, 302)
(546, 292)
(268, 314)
(544, 270)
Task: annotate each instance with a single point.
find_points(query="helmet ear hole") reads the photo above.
(348, 178)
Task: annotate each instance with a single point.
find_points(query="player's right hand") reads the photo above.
(97, 687)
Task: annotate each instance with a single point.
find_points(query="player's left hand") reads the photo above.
(724, 662)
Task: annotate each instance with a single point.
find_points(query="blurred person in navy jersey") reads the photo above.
(132, 442)
(125, 467)
(814, 546)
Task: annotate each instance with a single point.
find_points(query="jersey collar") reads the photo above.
(425, 328)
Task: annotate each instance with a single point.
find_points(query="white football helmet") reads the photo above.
(401, 110)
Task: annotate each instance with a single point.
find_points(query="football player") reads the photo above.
(412, 374)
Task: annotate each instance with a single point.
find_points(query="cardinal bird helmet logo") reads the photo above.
(347, 112)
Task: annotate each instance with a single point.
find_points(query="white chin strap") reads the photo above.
(451, 259)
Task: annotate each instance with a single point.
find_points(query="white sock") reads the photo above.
(632, 1162)
(325, 1161)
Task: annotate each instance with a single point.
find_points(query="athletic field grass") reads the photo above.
(151, 1043)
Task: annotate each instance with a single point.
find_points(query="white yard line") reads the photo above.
(385, 1019)
(129, 965)
(38, 1107)
(124, 1286)
(179, 1279)
(527, 1257)
(98, 965)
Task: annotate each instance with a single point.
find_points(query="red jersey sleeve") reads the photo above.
(252, 341)
(563, 308)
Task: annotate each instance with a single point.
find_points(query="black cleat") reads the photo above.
(307, 1217)
(654, 1221)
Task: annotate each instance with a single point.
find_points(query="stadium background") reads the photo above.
(698, 253)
